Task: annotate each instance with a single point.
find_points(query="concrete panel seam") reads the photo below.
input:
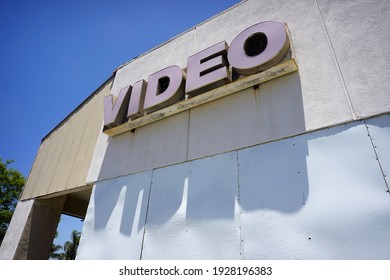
(240, 209)
(21, 196)
(346, 91)
(238, 176)
(146, 214)
(377, 157)
(194, 40)
(188, 135)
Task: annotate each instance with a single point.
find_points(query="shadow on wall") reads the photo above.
(271, 176)
(254, 202)
(154, 213)
(120, 204)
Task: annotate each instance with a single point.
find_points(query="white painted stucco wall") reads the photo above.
(295, 169)
(340, 48)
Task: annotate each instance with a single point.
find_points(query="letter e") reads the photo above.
(165, 87)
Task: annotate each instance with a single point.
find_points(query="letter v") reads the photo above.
(114, 114)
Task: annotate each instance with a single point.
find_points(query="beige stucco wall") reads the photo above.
(64, 157)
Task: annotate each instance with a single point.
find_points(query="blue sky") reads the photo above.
(54, 54)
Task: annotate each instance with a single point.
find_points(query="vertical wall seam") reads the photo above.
(146, 215)
(257, 99)
(377, 156)
(82, 140)
(240, 209)
(346, 91)
(189, 111)
(188, 135)
(194, 41)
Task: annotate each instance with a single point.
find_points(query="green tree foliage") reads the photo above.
(11, 184)
(70, 247)
(69, 250)
(56, 252)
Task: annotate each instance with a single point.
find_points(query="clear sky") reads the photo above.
(54, 54)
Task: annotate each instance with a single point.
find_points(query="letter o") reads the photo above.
(258, 47)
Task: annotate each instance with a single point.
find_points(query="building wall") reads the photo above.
(333, 85)
(293, 168)
(342, 56)
(320, 195)
(64, 157)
